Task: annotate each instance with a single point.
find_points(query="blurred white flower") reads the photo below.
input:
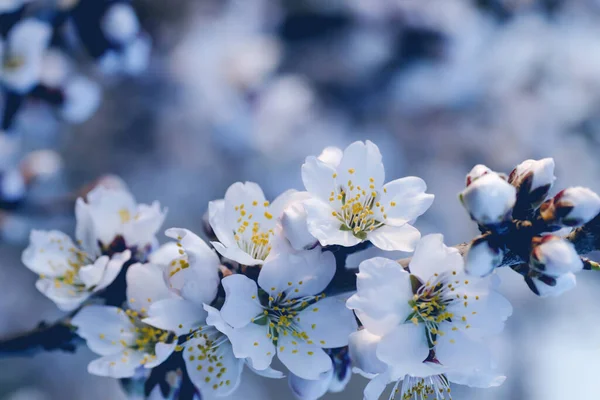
(113, 214)
(7, 6)
(124, 342)
(351, 204)
(12, 186)
(290, 316)
(132, 59)
(555, 256)
(244, 222)
(120, 23)
(432, 322)
(82, 98)
(489, 199)
(69, 275)
(22, 54)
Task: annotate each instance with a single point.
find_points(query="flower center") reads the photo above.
(70, 277)
(357, 212)
(432, 387)
(281, 316)
(13, 62)
(252, 236)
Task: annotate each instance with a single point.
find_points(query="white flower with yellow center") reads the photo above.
(207, 352)
(244, 222)
(288, 315)
(351, 204)
(112, 213)
(68, 274)
(428, 325)
(121, 337)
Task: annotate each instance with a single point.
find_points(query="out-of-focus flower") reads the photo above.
(111, 215)
(132, 59)
(7, 6)
(290, 315)
(351, 204)
(68, 274)
(571, 207)
(22, 54)
(82, 98)
(432, 321)
(533, 179)
(554, 256)
(489, 199)
(120, 23)
(244, 222)
(482, 257)
(121, 337)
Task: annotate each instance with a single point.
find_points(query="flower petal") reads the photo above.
(241, 301)
(318, 178)
(120, 365)
(305, 273)
(145, 286)
(310, 389)
(383, 293)
(162, 351)
(432, 256)
(104, 328)
(66, 297)
(363, 347)
(328, 323)
(405, 348)
(390, 238)
(176, 315)
(360, 163)
(405, 199)
(302, 359)
(251, 342)
(49, 253)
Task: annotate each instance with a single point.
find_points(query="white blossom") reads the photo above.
(7, 6)
(541, 173)
(112, 213)
(351, 204)
(68, 275)
(429, 325)
(82, 98)
(244, 222)
(22, 54)
(555, 256)
(193, 275)
(489, 199)
(290, 316)
(120, 23)
(124, 342)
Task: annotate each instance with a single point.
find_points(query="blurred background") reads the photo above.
(239, 90)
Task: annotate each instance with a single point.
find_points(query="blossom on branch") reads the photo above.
(351, 203)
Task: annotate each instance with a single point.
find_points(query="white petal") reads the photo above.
(302, 359)
(390, 238)
(376, 386)
(363, 353)
(405, 348)
(66, 297)
(218, 374)
(241, 301)
(104, 328)
(141, 230)
(305, 273)
(177, 315)
(145, 286)
(323, 225)
(331, 155)
(266, 373)
(120, 365)
(162, 351)
(318, 178)
(432, 256)
(91, 275)
(251, 342)
(564, 283)
(216, 218)
(284, 199)
(198, 282)
(215, 319)
(49, 253)
(405, 199)
(84, 229)
(364, 159)
(383, 293)
(479, 379)
(328, 323)
(236, 254)
(113, 268)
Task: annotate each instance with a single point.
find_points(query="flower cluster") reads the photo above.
(265, 287)
(519, 226)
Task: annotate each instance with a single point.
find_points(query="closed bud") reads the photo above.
(477, 172)
(533, 179)
(554, 256)
(571, 207)
(489, 199)
(482, 257)
(547, 286)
